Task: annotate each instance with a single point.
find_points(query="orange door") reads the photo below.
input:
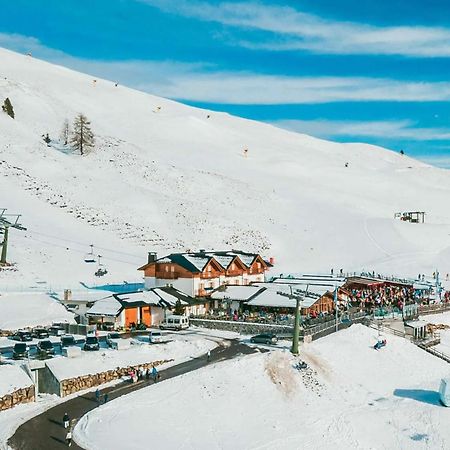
(146, 315)
(131, 316)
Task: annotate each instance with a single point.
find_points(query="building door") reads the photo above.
(146, 315)
(131, 316)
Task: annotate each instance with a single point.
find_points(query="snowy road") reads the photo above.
(45, 432)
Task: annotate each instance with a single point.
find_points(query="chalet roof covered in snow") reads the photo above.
(195, 262)
(109, 307)
(270, 298)
(238, 293)
(159, 296)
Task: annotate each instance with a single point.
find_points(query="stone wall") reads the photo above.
(242, 327)
(24, 395)
(72, 385)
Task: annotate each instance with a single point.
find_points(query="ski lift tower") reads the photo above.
(298, 297)
(7, 221)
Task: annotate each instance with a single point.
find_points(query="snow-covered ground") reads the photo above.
(176, 178)
(20, 310)
(351, 397)
(180, 349)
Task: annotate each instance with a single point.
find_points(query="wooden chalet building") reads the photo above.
(198, 274)
(146, 307)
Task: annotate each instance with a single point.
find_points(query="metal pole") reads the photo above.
(4, 245)
(296, 327)
(336, 305)
(437, 286)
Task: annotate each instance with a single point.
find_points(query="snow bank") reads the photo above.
(21, 310)
(103, 360)
(12, 378)
(350, 397)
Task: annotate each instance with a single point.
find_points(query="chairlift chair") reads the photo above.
(89, 257)
(101, 270)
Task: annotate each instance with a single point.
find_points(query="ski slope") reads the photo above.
(168, 177)
(357, 398)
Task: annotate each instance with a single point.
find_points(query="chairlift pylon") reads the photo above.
(89, 257)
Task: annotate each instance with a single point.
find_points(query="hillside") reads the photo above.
(165, 176)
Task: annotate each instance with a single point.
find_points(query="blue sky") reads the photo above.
(365, 71)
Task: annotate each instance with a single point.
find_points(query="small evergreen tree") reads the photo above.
(8, 108)
(82, 136)
(179, 308)
(65, 132)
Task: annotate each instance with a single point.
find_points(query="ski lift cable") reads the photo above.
(78, 251)
(84, 244)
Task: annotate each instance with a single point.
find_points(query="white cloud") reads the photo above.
(395, 129)
(205, 83)
(442, 161)
(291, 29)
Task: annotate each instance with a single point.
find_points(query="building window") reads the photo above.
(172, 269)
(233, 266)
(167, 268)
(258, 265)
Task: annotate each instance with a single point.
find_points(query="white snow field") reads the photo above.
(18, 310)
(351, 397)
(166, 177)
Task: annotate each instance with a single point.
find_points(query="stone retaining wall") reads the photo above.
(242, 327)
(71, 385)
(24, 395)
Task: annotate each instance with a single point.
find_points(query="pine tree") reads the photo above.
(65, 132)
(82, 135)
(179, 309)
(8, 108)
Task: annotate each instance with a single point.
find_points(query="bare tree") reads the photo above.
(65, 132)
(82, 135)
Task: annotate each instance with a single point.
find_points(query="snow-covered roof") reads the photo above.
(170, 298)
(240, 293)
(271, 298)
(12, 378)
(416, 324)
(109, 306)
(317, 290)
(224, 260)
(160, 296)
(199, 262)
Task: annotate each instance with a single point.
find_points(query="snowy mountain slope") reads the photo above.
(165, 176)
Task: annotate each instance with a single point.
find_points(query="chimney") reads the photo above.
(151, 257)
(67, 295)
(202, 250)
